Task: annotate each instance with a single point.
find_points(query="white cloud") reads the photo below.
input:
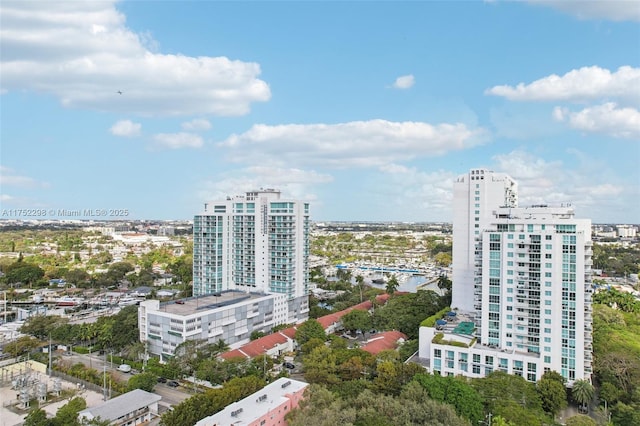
(177, 140)
(587, 83)
(606, 118)
(125, 128)
(588, 184)
(8, 177)
(197, 124)
(420, 195)
(615, 10)
(83, 53)
(404, 82)
(353, 144)
(295, 183)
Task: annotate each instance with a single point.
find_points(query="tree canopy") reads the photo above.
(310, 329)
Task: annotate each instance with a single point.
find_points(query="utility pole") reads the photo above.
(104, 376)
(50, 370)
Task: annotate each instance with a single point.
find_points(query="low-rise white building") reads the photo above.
(229, 316)
(267, 407)
(132, 408)
(626, 231)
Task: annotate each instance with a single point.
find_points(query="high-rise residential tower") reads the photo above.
(527, 308)
(475, 197)
(257, 242)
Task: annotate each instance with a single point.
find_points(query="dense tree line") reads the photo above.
(67, 415)
(199, 406)
(615, 260)
(113, 332)
(616, 344)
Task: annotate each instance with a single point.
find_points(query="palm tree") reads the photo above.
(582, 392)
(360, 282)
(444, 283)
(392, 285)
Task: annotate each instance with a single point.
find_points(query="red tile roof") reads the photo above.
(328, 320)
(383, 341)
(260, 346)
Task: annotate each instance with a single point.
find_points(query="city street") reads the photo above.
(170, 396)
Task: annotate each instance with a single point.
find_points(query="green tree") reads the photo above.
(320, 366)
(553, 395)
(392, 285)
(190, 411)
(580, 420)
(310, 329)
(501, 421)
(125, 327)
(97, 421)
(182, 267)
(79, 277)
(442, 259)
(199, 406)
(67, 415)
(582, 392)
(455, 391)
(444, 283)
(360, 284)
(356, 320)
(21, 345)
(37, 417)
(144, 381)
(25, 273)
(511, 397)
(256, 334)
(41, 326)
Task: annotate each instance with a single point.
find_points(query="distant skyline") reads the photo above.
(369, 110)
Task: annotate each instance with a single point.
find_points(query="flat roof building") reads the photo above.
(267, 407)
(257, 242)
(527, 309)
(132, 408)
(230, 316)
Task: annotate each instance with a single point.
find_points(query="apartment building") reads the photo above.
(528, 308)
(257, 242)
(475, 196)
(230, 316)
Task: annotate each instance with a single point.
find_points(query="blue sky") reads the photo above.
(368, 110)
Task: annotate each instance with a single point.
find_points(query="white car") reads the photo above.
(125, 368)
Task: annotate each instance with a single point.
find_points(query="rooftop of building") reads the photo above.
(192, 305)
(122, 405)
(262, 345)
(459, 330)
(256, 405)
(387, 340)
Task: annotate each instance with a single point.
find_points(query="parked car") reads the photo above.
(162, 380)
(125, 368)
(288, 365)
(173, 383)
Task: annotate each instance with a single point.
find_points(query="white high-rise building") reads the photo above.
(257, 242)
(475, 196)
(527, 309)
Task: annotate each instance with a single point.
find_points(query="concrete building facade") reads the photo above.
(475, 196)
(230, 316)
(267, 407)
(528, 309)
(257, 242)
(137, 407)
